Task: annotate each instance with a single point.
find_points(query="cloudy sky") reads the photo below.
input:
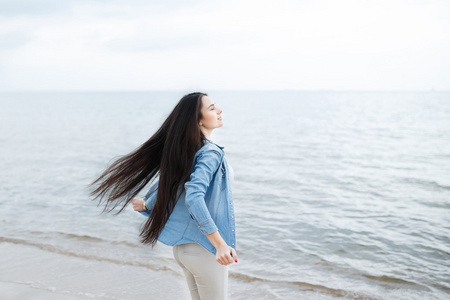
(222, 45)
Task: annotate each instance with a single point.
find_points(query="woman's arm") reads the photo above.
(207, 164)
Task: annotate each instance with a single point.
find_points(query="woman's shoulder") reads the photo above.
(210, 148)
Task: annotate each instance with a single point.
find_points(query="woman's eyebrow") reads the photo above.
(211, 105)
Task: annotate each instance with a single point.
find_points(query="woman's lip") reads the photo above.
(219, 118)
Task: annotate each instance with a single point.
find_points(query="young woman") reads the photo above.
(190, 205)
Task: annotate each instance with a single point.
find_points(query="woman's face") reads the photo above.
(211, 114)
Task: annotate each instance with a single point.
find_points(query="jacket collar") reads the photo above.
(209, 141)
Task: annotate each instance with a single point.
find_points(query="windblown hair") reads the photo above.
(169, 153)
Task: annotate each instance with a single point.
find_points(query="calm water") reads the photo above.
(338, 195)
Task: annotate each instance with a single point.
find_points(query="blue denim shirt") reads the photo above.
(204, 205)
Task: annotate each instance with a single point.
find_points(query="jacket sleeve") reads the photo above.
(150, 199)
(207, 164)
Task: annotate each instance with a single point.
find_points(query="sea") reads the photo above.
(338, 195)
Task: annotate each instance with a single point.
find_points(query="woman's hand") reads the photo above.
(138, 204)
(224, 253)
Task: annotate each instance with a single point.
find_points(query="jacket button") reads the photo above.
(232, 230)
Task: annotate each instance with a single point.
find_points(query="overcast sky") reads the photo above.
(221, 45)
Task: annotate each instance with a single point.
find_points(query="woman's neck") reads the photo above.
(206, 133)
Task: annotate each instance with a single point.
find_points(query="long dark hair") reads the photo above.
(169, 153)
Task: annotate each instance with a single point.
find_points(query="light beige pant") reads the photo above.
(206, 278)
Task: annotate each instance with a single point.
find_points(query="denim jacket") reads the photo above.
(204, 206)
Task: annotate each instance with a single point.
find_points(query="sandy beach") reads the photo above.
(47, 274)
(17, 291)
